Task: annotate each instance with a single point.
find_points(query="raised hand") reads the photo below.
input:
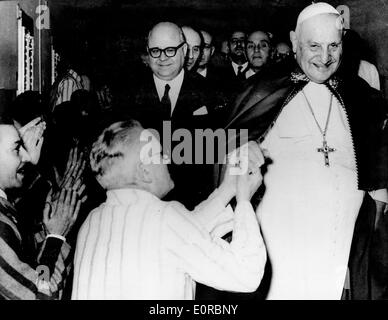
(249, 179)
(74, 169)
(60, 214)
(32, 135)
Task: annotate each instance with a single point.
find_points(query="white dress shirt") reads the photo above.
(249, 73)
(235, 67)
(369, 73)
(202, 72)
(175, 87)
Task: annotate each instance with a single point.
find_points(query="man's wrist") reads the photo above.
(226, 192)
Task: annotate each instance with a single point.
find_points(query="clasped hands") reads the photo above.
(243, 176)
(63, 203)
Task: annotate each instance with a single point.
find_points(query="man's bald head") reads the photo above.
(166, 31)
(166, 35)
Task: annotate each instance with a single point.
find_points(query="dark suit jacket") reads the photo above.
(230, 81)
(141, 102)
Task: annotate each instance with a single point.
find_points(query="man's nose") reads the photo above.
(190, 53)
(325, 56)
(163, 56)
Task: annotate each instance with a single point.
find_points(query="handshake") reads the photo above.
(242, 175)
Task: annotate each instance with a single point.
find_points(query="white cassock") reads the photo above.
(309, 210)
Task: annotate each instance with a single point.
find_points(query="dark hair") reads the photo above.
(26, 107)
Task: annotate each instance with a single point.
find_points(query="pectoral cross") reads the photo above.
(326, 150)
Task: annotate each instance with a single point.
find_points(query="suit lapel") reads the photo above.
(184, 103)
(254, 95)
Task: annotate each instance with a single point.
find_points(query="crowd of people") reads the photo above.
(86, 213)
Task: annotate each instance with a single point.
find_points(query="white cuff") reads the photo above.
(379, 195)
(51, 235)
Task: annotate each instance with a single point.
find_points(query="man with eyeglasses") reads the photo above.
(194, 42)
(258, 49)
(171, 93)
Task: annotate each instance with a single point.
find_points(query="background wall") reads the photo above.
(370, 19)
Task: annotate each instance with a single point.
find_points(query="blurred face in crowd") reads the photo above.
(237, 47)
(193, 40)
(207, 49)
(258, 49)
(318, 46)
(225, 49)
(282, 51)
(13, 157)
(166, 64)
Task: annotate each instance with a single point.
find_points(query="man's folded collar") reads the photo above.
(299, 77)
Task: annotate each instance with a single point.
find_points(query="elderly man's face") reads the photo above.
(13, 158)
(208, 49)
(258, 49)
(162, 37)
(237, 44)
(193, 41)
(318, 47)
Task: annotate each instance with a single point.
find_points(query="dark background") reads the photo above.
(109, 35)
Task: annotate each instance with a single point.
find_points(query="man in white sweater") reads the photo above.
(136, 246)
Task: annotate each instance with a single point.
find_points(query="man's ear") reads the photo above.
(143, 173)
(294, 40)
(185, 49)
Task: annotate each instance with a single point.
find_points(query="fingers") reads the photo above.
(81, 190)
(255, 153)
(84, 198)
(74, 168)
(76, 210)
(29, 125)
(46, 212)
(67, 200)
(60, 201)
(76, 185)
(70, 159)
(39, 143)
(80, 166)
(49, 195)
(74, 198)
